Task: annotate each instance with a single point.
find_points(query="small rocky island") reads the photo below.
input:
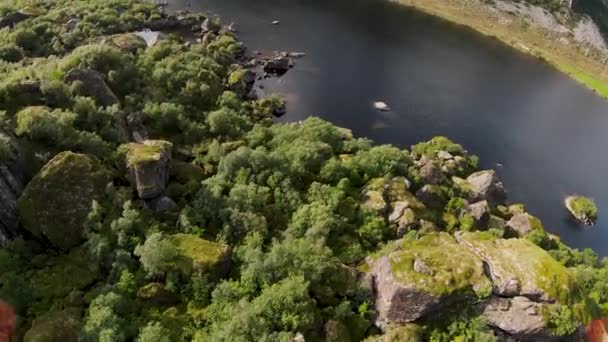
(147, 196)
(582, 208)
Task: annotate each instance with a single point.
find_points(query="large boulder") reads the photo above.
(480, 211)
(199, 255)
(431, 174)
(57, 326)
(520, 318)
(149, 166)
(92, 84)
(523, 224)
(57, 201)
(128, 42)
(432, 196)
(518, 267)
(487, 185)
(423, 276)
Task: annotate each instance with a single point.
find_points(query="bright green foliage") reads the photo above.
(103, 321)
(154, 332)
(157, 255)
(465, 330)
(561, 320)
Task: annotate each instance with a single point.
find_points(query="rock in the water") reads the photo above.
(481, 213)
(148, 164)
(487, 185)
(523, 224)
(582, 208)
(422, 276)
(278, 65)
(199, 255)
(94, 85)
(520, 268)
(58, 326)
(57, 201)
(431, 174)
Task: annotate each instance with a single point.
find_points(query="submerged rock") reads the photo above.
(94, 85)
(57, 201)
(148, 164)
(424, 276)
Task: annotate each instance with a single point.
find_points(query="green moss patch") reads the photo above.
(57, 201)
(582, 208)
(446, 267)
(150, 151)
(198, 255)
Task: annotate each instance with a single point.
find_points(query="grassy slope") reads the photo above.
(520, 35)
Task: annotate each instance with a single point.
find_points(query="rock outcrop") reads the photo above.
(57, 201)
(519, 317)
(486, 184)
(148, 165)
(523, 224)
(93, 85)
(423, 276)
(518, 267)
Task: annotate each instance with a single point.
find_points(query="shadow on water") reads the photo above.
(439, 79)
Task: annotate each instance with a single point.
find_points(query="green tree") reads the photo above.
(157, 255)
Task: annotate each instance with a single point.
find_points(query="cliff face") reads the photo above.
(13, 177)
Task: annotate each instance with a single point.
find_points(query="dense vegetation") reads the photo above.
(271, 227)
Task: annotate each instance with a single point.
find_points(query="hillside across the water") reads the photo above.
(146, 195)
(563, 35)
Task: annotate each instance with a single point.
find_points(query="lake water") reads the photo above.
(548, 132)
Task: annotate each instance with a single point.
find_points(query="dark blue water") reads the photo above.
(440, 79)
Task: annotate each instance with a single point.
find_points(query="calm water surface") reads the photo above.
(549, 133)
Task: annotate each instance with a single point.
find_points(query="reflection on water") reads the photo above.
(439, 79)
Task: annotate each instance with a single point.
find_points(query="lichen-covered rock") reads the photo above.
(58, 326)
(520, 268)
(480, 211)
(93, 85)
(431, 174)
(57, 201)
(129, 42)
(148, 164)
(199, 255)
(423, 276)
(519, 317)
(432, 196)
(374, 200)
(523, 224)
(487, 185)
(241, 81)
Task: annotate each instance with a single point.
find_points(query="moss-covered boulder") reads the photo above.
(403, 333)
(200, 255)
(521, 225)
(425, 275)
(57, 201)
(57, 326)
(129, 42)
(582, 208)
(488, 186)
(156, 293)
(520, 268)
(149, 166)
